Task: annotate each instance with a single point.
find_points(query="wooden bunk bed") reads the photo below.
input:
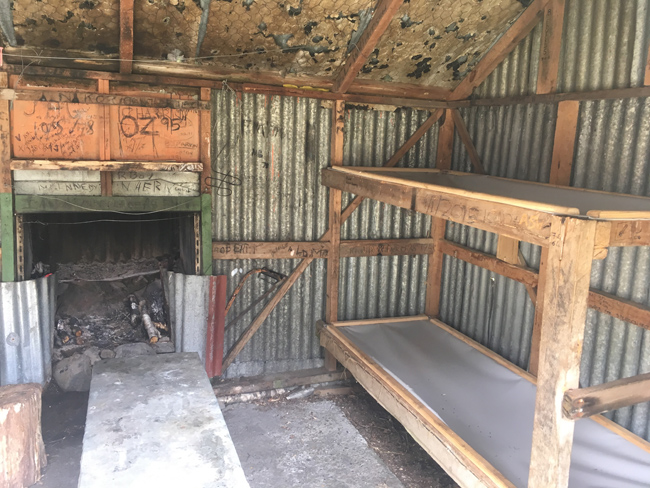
(483, 419)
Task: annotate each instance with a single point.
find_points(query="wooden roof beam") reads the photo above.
(504, 46)
(384, 13)
(126, 36)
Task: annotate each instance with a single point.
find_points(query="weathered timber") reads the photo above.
(381, 18)
(87, 165)
(564, 142)
(434, 268)
(467, 141)
(57, 96)
(585, 402)
(22, 452)
(630, 233)
(549, 56)
(620, 308)
(564, 298)
(126, 36)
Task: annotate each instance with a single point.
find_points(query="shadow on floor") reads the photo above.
(63, 421)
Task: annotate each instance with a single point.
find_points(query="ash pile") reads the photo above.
(104, 319)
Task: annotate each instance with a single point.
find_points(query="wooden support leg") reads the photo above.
(564, 298)
(434, 271)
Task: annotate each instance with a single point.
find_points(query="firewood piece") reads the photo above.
(135, 310)
(22, 452)
(151, 330)
(161, 326)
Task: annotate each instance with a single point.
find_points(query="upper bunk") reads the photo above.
(516, 208)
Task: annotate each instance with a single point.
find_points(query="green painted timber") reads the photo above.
(44, 204)
(7, 223)
(206, 233)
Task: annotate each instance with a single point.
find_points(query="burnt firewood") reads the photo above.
(134, 310)
(149, 327)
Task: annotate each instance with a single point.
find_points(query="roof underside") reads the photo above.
(428, 42)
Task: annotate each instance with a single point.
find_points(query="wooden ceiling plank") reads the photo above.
(549, 59)
(384, 13)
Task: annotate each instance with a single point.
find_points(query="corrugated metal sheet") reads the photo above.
(188, 309)
(27, 311)
(604, 46)
(268, 153)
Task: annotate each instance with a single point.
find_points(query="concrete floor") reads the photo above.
(303, 443)
(280, 444)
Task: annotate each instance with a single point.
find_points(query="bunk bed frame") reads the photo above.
(573, 227)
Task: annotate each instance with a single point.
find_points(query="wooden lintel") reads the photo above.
(126, 36)
(586, 402)
(467, 141)
(88, 165)
(498, 52)
(100, 99)
(319, 249)
(381, 18)
(549, 58)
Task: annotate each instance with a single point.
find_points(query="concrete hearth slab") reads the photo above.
(154, 421)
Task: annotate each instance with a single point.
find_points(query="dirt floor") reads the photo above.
(64, 417)
(392, 443)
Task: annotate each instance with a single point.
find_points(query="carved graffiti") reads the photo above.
(154, 134)
(55, 130)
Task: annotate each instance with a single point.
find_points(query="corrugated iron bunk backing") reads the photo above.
(573, 226)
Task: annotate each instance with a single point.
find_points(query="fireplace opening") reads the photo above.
(109, 269)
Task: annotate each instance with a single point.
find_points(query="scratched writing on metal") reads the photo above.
(154, 134)
(55, 130)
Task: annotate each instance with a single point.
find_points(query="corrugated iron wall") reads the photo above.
(605, 44)
(27, 311)
(267, 157)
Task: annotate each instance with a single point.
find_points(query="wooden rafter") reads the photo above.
(549, 59)
(126, 36)
(517, 31)
(384, 13)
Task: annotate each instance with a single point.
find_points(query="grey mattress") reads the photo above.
(490, 407)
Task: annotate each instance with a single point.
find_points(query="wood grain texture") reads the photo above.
(205, 136)
(334, 215)
(564, 143)
(445, 141)
(381, 18)
(434, 268)
(585, 402)
(549, 58)
(568, 272)
(21, 441)
(90, 165)
(103, 86)
(126, 36)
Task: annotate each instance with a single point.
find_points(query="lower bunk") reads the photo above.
(469, 408)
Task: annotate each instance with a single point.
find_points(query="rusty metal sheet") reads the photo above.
(55, 130)
(154, 134)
